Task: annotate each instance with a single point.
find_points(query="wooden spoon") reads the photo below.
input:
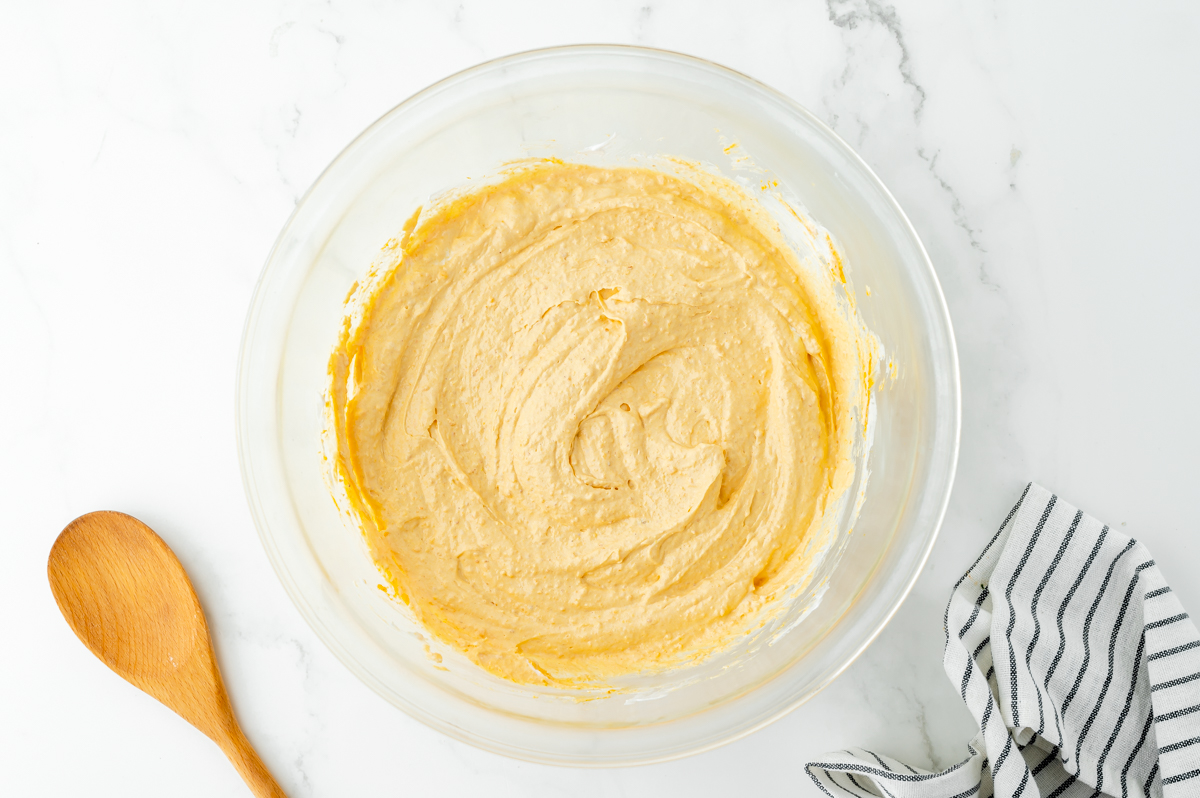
(127, 597)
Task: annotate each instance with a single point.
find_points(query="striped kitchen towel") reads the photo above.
(1077, 661)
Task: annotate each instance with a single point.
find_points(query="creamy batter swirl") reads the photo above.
(592, 419)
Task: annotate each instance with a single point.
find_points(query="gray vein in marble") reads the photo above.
(923, 730)
(848, 14)
(100, 149)
(306, 738)
(288, 185)
(290, 129)
(639, 25)
(273, 46)
(458, 24)
(956, 206)
(961, 220)
(299, 765)
(306, 663)
(294, 125)
(461, 752)
(338, 38)
(303, 655)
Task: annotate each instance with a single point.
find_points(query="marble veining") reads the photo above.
(849, 15)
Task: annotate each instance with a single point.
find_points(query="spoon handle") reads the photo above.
(252, 770)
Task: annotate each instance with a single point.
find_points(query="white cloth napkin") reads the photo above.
(1077, 661)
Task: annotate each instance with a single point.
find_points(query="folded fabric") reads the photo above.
(1077, 661)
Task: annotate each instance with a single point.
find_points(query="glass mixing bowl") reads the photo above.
(607, 105)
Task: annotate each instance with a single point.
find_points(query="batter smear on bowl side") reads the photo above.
(596, 422)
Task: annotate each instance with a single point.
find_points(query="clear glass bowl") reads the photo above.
(607, 104)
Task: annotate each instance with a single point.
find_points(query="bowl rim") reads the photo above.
(254, 312)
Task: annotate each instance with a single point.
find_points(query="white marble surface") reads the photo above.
(149, 153)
